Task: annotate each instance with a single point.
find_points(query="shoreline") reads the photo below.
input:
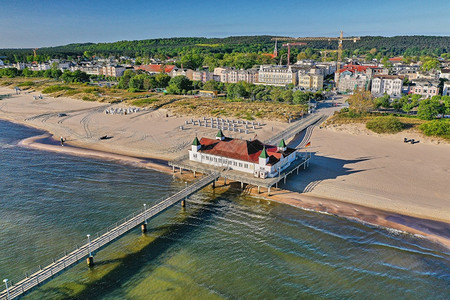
(433, 229)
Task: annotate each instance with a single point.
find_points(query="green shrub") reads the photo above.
(144, 102)
(440, 128)
(56, 88)
(26, 83)
(387, 124)
(72, 92)
(86, 98)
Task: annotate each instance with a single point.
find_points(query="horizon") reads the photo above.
(29, 24)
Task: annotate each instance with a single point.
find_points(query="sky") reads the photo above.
(44, 23)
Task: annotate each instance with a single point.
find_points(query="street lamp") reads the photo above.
(145, 213)
(89, 244)
(7, 289)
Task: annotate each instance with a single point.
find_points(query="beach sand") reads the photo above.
(377, 179)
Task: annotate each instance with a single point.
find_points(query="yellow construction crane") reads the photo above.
(340, 39)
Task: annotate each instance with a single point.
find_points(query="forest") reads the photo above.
(171, 47)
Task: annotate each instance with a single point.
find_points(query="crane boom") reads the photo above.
(340, 40)
(289, 50)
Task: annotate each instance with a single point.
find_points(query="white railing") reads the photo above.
(102, 238)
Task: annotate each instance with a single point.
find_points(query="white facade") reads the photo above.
(387, 85)
(446, 89)
(277, 75)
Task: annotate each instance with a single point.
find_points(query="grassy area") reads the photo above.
(244, 110)
(348, 117)
(388, 124)
(180, 105)
(144, 102)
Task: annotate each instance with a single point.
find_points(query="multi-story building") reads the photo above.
(113, 70)
(353, 77)
(445, 73)
(40, 67)
(251, 157)
(155, 69)
(310, 81)
(202, 75)
(424, 87)
(277, 75)
(446, 89)
(232, 75)
(387, 84)
(182, 72)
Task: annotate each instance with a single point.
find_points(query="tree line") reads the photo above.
(176, 47)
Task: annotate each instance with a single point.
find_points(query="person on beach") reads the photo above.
(62, 141)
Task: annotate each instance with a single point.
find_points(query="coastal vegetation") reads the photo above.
(388, 124)
(438, 128)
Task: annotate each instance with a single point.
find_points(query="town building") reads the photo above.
(387, 84)
(354, 77)
(182, 72)
(310, 81)
(277, 75)
(113, 70)
(425, 88)
(445, 74)
(202, 75)
(155, 69)
(251, 157)
(446, 89)
(232, 75)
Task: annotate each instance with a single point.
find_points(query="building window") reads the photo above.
(246, 166)
(240, 165)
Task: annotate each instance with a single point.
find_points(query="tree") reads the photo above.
(191, 60)
(428, 109)
(430, 63)
(162, 80)
(300, 97)
(211, 85)
(361, 101)
(384, 101)
(178, 84)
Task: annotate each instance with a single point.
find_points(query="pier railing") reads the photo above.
(22, 285)
(294, 129)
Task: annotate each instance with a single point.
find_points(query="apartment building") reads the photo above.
(387, 84)
(426, 88)
(113, 70)
(310, 81)
(276, 75)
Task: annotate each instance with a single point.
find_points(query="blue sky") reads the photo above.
(39, 23)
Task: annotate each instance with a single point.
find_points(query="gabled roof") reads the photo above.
(155, 68)
(242, 149)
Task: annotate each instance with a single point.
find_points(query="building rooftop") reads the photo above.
(242, 149)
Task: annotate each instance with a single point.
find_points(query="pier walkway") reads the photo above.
(297, 127)
(102, 239)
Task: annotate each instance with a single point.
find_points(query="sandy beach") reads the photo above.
(373, 178)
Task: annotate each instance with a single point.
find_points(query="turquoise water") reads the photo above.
(223, 245)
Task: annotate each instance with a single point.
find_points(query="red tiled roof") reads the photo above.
(155, 68)
(353, 68)
(398, 58)
(241, 149)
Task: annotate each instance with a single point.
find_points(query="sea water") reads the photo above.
(222, 245)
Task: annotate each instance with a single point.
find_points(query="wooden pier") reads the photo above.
(112, 233)
(44, 274)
